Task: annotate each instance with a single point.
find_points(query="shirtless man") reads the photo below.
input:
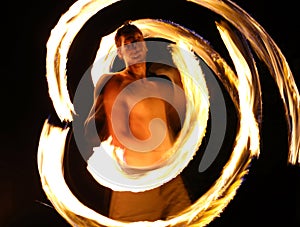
(137, 121)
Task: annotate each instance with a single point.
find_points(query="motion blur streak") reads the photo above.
(243, 86)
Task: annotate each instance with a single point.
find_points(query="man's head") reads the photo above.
(130, 42)
(125, 30)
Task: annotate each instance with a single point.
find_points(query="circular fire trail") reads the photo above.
(188, 50)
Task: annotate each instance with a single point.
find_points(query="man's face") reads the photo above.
(133, 48)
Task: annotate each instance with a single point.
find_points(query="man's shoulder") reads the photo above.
(159, 68)
(107, 80)
(166, 71)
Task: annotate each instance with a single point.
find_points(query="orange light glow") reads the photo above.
(242, 84)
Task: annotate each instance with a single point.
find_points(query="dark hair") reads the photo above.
(126, 29)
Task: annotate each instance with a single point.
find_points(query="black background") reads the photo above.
(269, 196)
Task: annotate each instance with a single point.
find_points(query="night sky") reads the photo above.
(270, 193)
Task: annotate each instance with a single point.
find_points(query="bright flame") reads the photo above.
(271, 55)
(50, 164)
(241, 87)
(57, 50)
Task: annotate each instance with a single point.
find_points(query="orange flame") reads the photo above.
(244, 84)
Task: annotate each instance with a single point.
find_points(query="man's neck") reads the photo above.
(137, 71)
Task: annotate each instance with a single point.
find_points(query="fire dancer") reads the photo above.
(124, 111)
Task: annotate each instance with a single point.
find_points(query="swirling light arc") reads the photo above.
(224, 189)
